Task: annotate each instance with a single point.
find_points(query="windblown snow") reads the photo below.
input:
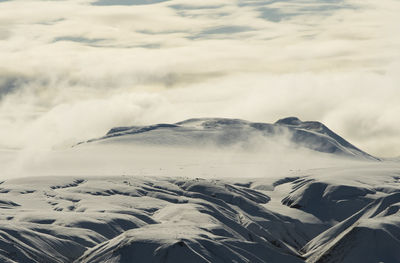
(222, 132)
(203, 190)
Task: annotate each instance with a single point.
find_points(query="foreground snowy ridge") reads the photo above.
(326, 215)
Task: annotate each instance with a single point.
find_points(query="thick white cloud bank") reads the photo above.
(70, 70)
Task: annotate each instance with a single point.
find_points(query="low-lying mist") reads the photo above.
(259, 157)
(361, 107)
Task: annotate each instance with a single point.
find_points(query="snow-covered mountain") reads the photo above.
(222, 132)
(179, 201)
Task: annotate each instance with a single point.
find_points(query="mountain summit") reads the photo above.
(313, 135)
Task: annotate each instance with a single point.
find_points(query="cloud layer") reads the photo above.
(77, 68)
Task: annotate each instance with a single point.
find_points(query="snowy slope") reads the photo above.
(203, 190)
(342, 214)
(226, 132)
(117, 218)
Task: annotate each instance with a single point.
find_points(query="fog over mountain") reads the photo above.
(199, 131)
(77, 68)
(203, 190)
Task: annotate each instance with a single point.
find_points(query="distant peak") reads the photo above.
(225, 131)
(289, 121)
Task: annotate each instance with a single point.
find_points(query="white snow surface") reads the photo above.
(123, 199)
(224, 132)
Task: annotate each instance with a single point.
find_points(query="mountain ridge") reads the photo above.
(313, 135)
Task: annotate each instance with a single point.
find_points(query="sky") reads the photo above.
(71, 70)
